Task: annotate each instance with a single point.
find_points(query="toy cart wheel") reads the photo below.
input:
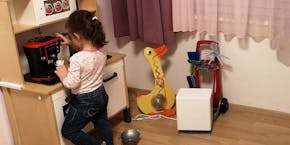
(224, 105)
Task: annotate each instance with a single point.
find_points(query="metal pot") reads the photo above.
(130, 137)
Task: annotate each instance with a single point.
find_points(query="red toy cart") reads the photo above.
(208, 58)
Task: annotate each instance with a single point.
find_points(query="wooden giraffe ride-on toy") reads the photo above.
(162, 98)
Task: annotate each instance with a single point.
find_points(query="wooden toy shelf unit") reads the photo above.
(35, 110)
(17, 16)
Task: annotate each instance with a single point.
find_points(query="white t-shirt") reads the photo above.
(85, 73)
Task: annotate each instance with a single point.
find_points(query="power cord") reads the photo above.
(140, 117)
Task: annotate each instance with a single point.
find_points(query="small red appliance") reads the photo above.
(41, 53)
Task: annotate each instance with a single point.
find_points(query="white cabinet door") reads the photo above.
(58, 102)
(114, 82)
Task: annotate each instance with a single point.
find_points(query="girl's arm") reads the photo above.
(70, 78)
(61, 72)
(66, 41)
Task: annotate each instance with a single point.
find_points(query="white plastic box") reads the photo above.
(194, 109)
(37, 12)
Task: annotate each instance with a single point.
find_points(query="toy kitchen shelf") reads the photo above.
(22, 10)
(34, 110)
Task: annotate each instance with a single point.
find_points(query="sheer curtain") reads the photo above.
(242, 18)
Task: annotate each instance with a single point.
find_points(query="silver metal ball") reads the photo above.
(130, 137)
(158, 102)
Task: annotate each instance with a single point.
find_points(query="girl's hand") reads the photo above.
(66, 41)
(61, 72)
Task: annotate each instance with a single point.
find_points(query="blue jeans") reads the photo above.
(84, 108)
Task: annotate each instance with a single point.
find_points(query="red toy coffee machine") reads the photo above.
(41, 53)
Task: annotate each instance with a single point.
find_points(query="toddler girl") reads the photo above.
(84, 78)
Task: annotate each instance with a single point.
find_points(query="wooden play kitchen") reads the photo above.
(35, 110)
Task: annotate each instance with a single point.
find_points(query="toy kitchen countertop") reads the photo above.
(49, 89)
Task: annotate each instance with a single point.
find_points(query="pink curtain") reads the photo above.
(242, 18)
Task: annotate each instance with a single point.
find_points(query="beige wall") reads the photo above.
(255, 75)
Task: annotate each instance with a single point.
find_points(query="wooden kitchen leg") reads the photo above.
(127, 115)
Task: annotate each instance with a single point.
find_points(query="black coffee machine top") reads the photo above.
(41, 53)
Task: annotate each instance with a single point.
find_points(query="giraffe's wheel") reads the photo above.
(158, 102)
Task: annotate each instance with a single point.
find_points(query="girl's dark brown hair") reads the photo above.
(83, 23)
